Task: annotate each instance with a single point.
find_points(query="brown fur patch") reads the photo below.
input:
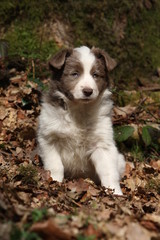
(67, 69)
(100, 75)
(110, 63)
(57, 61)
(72, 72)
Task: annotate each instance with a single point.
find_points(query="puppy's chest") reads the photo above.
(76, 137)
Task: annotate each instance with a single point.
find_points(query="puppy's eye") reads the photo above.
(75, 74)
(95, 75)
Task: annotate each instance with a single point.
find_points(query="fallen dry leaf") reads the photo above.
(149, 225)
(91, 231)
(3, 112)
(16, 79)
(129, 167)
(78, 186)
(137, 232)
(124, 111)
(49, 230)
(155, 164)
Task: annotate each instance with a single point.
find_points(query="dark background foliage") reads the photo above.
(128, 30)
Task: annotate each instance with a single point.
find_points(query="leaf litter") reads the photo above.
(32, 206)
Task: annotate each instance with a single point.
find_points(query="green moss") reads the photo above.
(123, 98)
(21, 20)
(39, 214)
(153, 184)
(19, 234)
(24, 41)
(29, 174)
(93, 23)
(81, 237)
(155, 96)
(143, 40)
(135, 149)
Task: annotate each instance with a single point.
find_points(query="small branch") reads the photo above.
(5, 153)
(33, 67)
(152, 89)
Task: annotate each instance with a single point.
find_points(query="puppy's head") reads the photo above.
(81, 73)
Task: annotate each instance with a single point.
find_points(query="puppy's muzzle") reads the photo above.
(87, 92)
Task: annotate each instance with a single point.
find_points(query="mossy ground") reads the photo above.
(128, 30)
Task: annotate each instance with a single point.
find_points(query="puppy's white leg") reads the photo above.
(52, 161)
(106, 166)
(121, 164)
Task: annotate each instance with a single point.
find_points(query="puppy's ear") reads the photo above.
(58, 60)
(110, 62)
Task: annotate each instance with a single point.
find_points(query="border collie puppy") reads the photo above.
(75, 133)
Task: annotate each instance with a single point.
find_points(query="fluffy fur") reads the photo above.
(75, 132)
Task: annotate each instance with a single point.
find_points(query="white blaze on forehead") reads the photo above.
(86, 80)
(86, 57)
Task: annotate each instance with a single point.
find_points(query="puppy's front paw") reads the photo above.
(57, 176)
(116, 190)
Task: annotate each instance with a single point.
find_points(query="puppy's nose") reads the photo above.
(87, 91)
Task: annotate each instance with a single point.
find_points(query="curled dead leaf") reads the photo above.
(136, 232)
(16, 79)
(155, 164)
(3, 112)
(78, 185)
(92, 231)
(49, 230)
(130, 183)
(152, 217)
(20, 114)
(129, 167)
(124, 111)
(149, 225)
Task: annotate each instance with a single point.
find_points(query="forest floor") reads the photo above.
(32, 206)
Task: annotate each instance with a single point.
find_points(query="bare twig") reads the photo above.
(33, 68)
(152, 89)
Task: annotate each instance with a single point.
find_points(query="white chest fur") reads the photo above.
(78, 142)
(75, 133)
